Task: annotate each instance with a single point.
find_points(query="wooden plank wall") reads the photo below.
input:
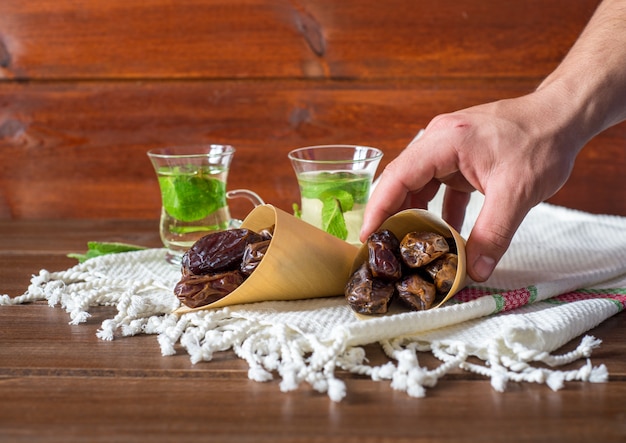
(87, 87)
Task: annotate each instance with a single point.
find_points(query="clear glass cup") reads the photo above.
(192, 180)
(335, 183)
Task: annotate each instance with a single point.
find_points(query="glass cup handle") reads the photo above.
(254, 198)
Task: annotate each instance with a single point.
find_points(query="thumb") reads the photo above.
(492, 233)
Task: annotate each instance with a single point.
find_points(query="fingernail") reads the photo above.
(483, 267)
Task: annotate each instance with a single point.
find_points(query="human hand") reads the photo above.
(517, 152)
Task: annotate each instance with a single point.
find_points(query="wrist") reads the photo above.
(590, 83)
(585, 106)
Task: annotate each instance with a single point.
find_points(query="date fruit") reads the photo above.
(443, 272)
(367, 295)
(382, 247)
(418, 269)
(200, 290)
(416, 292)
(219, 251)
(219, 263)
(420, 248)
(252, 256)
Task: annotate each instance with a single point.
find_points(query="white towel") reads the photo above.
(564, 274)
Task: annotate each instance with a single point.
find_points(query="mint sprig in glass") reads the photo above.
(335, 183)
(193, 183)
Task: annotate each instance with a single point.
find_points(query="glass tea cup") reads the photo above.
(335, 183)
(192, 180)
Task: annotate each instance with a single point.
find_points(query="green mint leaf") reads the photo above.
(80, 257)
(189, 197)
(96, 249)
(346, 200)
(332, 218)
(297, 212)
(356, 185)
(322, 182)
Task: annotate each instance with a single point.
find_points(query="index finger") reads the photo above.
(402, 177)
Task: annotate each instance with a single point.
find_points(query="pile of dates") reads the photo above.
(415, 270)
(219, 263)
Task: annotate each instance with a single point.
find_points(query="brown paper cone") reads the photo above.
(301, 262)
(421, 220)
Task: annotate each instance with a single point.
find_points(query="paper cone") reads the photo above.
(301, 262)
(421, 220)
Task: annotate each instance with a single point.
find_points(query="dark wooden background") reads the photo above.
(86, 88)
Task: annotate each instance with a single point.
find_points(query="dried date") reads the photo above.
(418, 269)
(382, 247)
(443, 272)
(267, 233)
(420, 248)
(219, 263)
(366, 294)
(416, 292)
(219, 251)
(252, 256)
(200, 290)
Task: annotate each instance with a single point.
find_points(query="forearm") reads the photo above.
(590, 83)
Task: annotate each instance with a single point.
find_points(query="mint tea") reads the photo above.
(194, 200)
(335, 201)
(335, 183)
(194, 204)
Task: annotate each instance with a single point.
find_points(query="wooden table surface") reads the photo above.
(61, 383)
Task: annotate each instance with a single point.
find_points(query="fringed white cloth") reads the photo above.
(564, 274)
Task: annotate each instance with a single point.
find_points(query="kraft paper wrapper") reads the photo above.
(301, 262)
(420, 220)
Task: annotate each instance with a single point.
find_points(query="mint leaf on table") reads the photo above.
(96, 249)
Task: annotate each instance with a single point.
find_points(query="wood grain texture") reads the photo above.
(368, 39)
(225, 410)
(79, 150)
(60, 383)
(87, 88)
(80, 388)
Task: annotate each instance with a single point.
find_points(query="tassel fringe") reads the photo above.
(293, 354)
